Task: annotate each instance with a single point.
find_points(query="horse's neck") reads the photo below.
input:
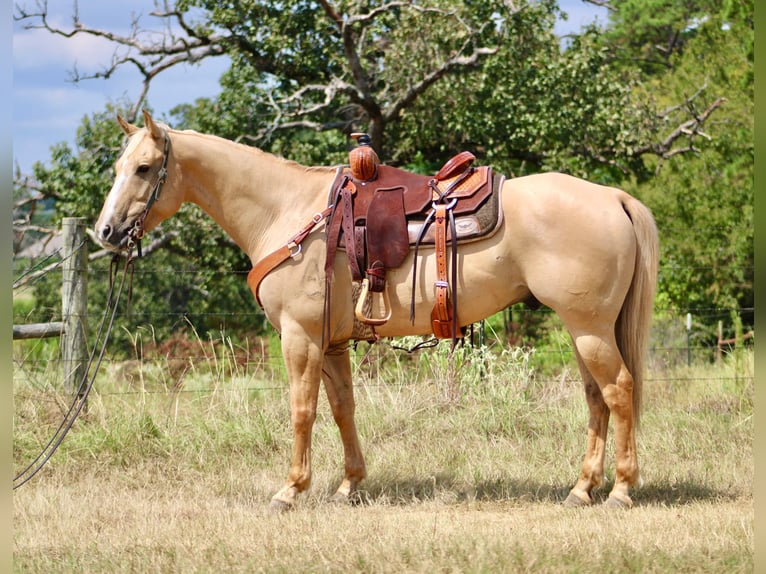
(260, 200)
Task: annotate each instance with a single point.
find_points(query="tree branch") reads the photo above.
(688, 129)
(151, 53)
(602, 4)
(458, 61)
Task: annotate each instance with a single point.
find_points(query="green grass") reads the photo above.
(171, 470)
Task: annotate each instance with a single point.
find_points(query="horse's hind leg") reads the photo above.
(336, 374)
(592, 475)
(599, 354)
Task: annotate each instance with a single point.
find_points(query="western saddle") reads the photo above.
(378, 213)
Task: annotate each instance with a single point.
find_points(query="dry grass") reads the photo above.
(107, 526)
(162, 479)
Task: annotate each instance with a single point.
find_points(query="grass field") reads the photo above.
(174, 472)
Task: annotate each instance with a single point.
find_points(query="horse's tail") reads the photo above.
(634, 321)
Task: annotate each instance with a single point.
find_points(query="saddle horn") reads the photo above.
(362, 159)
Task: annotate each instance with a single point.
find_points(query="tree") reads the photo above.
(364, 66)
(426, 79)
(703, 200)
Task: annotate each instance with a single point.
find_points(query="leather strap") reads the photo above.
(333, 229)
(444, 320)
(441, 286)
(276, 258)
(349, 231)
(441, 316)
(429, 219)
(376, 274)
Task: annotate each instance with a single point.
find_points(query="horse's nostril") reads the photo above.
(106, 231)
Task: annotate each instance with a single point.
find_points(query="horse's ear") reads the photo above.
(151, 126)
(128, 128)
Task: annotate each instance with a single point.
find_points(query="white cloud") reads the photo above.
(52, 105)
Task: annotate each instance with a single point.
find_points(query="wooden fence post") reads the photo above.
(719, 345)
(74, 302)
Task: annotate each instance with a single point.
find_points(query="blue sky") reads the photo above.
(48, 108)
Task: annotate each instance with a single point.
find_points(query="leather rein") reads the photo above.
(135, 235)
(86, 384)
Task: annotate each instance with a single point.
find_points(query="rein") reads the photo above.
(135, 235)
(104, 330)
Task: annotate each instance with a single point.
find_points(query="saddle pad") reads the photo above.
(483, 223)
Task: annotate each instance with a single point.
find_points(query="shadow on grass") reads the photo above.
(681, 493)
(444, 487)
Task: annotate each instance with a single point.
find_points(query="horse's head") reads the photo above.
(138, 200)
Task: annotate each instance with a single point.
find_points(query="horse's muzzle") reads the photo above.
(112, 237)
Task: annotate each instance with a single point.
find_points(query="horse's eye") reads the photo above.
(142, 169)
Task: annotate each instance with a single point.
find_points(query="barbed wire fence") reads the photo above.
(677, 341)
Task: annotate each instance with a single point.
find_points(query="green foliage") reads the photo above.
(648, 34)
(591, 107)
(703, 202)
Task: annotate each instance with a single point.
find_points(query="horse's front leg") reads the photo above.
(303, 359)
(340, 393)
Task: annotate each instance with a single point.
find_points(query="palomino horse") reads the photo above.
(587, 251)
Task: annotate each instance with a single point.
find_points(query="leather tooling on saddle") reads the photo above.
(380, 213)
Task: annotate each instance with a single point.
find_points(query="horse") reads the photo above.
(587, 251)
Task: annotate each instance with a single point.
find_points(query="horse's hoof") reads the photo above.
(575, 501)
(340, 499)
(620, 502)
(354, 498)
(279, 506)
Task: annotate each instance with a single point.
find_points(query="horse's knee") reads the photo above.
(303, 418)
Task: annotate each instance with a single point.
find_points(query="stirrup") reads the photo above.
(363, 297)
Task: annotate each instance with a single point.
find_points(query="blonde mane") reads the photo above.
(252, 149)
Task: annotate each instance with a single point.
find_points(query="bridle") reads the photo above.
(137, 232)
(105, 328)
